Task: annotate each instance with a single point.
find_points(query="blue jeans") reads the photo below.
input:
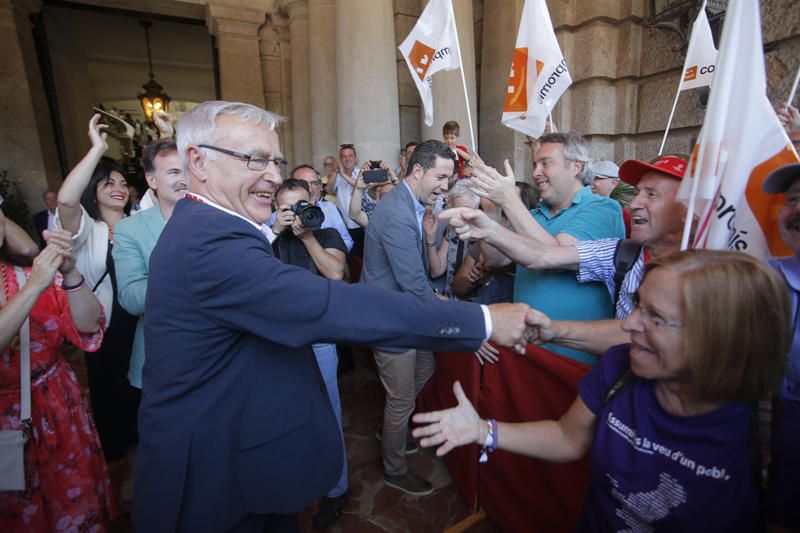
(328, 361)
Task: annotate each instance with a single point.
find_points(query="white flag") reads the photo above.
(740, 143)
(539, 74)
(430, 48)
(698, 69)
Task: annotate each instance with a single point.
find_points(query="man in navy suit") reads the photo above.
(236, 429)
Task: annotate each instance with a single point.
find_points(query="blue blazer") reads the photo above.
(394, 250)
(235, 418)
(134, 239)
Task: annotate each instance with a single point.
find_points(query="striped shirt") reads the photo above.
(596, 263)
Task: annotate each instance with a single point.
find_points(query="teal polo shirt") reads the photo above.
(557, 293)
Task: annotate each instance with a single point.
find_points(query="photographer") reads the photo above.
(362, 204)
(321, 251)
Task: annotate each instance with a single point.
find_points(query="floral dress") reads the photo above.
(67, 483)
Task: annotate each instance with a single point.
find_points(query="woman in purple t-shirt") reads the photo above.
(668, 419)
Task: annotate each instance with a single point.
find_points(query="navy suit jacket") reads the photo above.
(235, 418)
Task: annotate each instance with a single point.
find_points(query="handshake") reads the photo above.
(516, 325)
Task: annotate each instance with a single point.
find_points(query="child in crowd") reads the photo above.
(450, 132)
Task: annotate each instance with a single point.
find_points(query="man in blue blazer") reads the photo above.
(136, 236)
(236, 429)
(395, 258)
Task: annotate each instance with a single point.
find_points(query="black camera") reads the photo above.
(376, 174)
(311, 216)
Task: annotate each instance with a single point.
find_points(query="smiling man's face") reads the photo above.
(229, 182)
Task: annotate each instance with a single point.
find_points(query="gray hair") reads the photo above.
(197, 126)
(461, 189)
(575, 148)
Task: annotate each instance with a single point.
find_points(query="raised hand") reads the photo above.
(429, 225)
(97, 135)
(165, 123)
(470, 224)
(451, 427)
(487, 182)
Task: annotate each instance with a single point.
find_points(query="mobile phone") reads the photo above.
(376, 176)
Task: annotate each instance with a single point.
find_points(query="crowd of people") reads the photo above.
(213, 312)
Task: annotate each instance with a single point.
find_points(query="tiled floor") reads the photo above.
(374, 507)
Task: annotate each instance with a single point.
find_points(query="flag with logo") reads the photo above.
(741, 141)
(431, 47)
(701, 56)
(539, 74)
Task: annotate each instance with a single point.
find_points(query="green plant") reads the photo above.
(14, 205)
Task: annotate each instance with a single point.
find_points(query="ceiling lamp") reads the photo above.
(153, 98)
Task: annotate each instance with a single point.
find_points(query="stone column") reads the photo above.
(406, 13)
(448, 89)
(297, 10)
(498, 142)
(236, 30)
(285, 48)
(322, 73)
(27, 144)
(271, 72)
(366, 79)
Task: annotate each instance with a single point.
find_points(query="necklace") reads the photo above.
(15, 342)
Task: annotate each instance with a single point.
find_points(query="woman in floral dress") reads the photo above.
(67, 486)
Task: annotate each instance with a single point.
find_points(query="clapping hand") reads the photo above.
(450, 428)
(44, 268)
(61, 240)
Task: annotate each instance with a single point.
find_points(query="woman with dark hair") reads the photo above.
(675, 422)
(90, 202)
(66, 485)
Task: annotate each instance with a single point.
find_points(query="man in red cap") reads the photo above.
(657, 224)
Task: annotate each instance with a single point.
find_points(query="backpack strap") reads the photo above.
(627, 377)
(625, 257)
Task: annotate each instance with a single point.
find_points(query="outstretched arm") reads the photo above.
(563, 440)
(473, 224)
(69, 196)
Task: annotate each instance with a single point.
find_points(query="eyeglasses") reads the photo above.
(254, 161)
(343, 146)
(652, 318)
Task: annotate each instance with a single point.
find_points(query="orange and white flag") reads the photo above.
(701, 56)
(431, 47)
(741, 141)
(539, 74)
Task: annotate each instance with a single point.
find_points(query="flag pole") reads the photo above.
(463, 80)
(669, 122)
(552, 124)
(794, 87)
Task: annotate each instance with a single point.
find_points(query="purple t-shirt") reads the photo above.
(653, 470)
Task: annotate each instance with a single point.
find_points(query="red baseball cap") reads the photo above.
(631, 171)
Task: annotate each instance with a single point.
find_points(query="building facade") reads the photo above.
(333, 69)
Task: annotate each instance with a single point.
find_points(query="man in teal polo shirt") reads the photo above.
(567, 213)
